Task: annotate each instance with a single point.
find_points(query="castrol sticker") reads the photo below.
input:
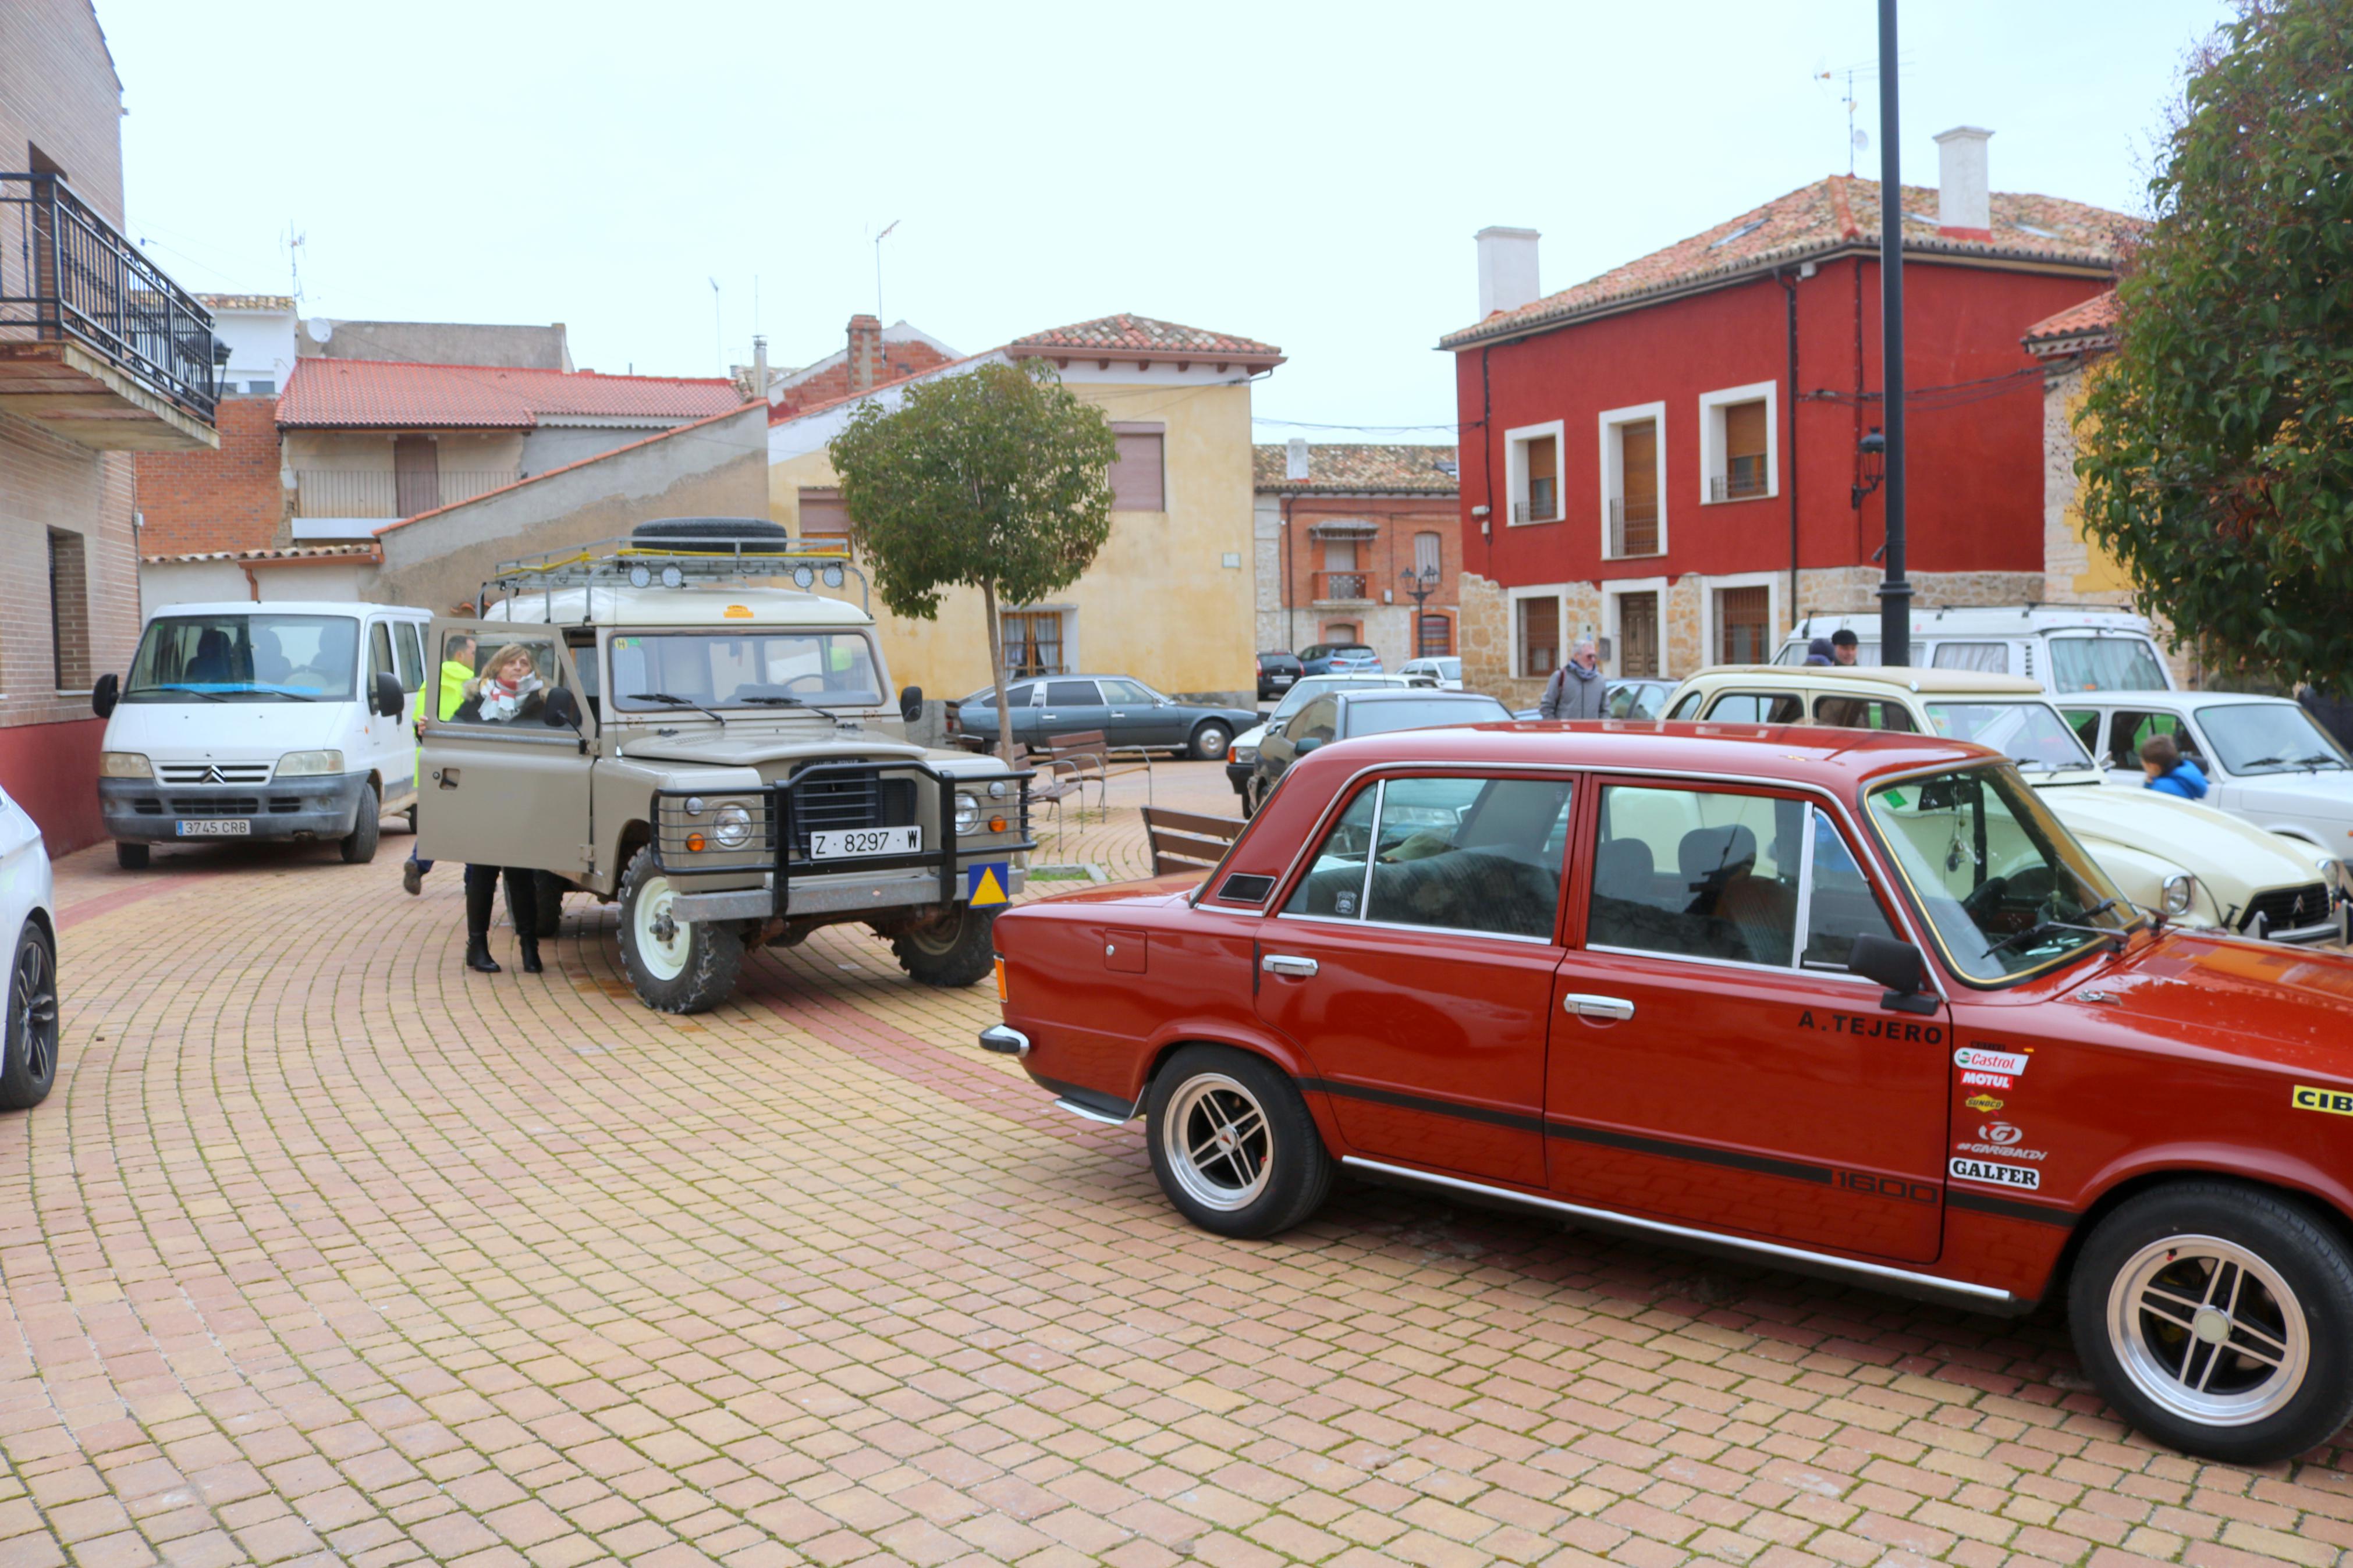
(1978, 1058)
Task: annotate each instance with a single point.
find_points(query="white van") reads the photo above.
(2062, 647)
(284, 720)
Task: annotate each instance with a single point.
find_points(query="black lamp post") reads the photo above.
(1894, 588)
(1419, 586)
(1872, 450)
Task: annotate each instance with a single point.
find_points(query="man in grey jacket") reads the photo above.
(1576, 689)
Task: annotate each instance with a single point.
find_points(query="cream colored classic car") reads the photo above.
(2198, 865)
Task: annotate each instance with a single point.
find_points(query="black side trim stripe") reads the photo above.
(2008, 1208)
(1110, 1104)
(1510, 1119)
(1797, 1171)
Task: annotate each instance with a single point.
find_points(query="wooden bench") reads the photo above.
(1187, 841)
(1089, 753)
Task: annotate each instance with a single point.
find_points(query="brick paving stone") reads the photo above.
(325, 1245)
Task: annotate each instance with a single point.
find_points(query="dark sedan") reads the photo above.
(1129, 713)
(1348, 715)
(1278, 671)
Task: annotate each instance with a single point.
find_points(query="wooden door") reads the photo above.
(1637, 462)
(416, 475)
(1638, 636)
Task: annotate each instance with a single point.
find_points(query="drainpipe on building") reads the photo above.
(1789, 294)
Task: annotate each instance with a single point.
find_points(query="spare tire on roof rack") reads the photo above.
(748, 535)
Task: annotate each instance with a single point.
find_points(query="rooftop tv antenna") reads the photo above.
(878, 268)
(718, 338)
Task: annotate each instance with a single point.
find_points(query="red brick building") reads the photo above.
(232, 498)
(1340, 528)
(1667, 455)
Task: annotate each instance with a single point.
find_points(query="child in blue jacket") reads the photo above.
(2171, 772)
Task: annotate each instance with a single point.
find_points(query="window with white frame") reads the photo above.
(1532, 471)
(1535, 635)
(1634, 481)
(1739, 459)
(1744, 617)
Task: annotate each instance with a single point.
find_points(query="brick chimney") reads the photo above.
(865, 353)
(1964, 199)
(1507, 270)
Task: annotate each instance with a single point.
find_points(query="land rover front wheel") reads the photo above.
(675, 966)
(954, 952)
(2218, 1319)
(1233, 1145)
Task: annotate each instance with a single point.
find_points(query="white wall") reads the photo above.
(260, 343)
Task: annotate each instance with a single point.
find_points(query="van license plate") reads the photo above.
(849, 843)
(217, 827)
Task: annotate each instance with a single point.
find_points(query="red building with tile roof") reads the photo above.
(1666, 456)
(1340, 525)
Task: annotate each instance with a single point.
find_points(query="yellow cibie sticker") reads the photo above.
(736, 613)
(2334, 1101)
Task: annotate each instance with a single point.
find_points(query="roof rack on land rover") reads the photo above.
(673, 559)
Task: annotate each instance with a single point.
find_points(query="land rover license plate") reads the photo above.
(217, 827)
(849, 843)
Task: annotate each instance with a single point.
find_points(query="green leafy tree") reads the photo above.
(997, 480)
(2217, 446)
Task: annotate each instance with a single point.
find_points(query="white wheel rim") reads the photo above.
(664, 957)
(2209, 1331)
(1218, 1142)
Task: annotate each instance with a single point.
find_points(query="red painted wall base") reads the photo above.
(51, 770)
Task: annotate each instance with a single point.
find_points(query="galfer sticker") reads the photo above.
(1984, 1060)
(1994, 1174)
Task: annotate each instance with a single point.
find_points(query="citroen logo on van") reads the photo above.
(211, 776)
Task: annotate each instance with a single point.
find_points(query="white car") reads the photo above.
(2063, 649)
(1446, 674)
(1241, 756)
(28, 1045)
(2266, 760)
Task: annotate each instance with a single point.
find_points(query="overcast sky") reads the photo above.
(1310, 175)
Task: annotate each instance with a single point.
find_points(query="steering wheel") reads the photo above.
(796, 679)
(1981, 903)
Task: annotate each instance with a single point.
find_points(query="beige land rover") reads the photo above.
(678, 722)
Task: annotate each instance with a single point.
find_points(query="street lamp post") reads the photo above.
(1419, 586)
(1895, 589)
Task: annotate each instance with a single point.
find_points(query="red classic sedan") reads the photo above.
(1847, 1002)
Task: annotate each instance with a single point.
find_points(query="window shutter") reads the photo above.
(1744, 430)
(823, 515)
(1136, 480)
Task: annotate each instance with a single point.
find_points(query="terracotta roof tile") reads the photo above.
(900, 360)
(379, 394)
(278, 553)
(2090, 323)
(1126, 336)
(1830, 214)
(1346, 467)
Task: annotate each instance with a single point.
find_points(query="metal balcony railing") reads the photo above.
(336, 492)
(1340, 587)
(67, 274)
(1744, 480)
(1633, 528)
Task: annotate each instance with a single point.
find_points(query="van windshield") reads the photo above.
(657, 672)
(245, 658)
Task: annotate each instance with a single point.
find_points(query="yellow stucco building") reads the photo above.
(1169, 599)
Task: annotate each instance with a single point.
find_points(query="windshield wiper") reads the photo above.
(792, 703)
(2263, 762)
(2320, 760)
(2041, 927)
(676, 702)
(188, 690)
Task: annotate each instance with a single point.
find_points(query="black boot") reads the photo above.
(478, 954)
(481, 889)
(530, 945)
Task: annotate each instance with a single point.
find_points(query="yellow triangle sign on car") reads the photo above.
(984, 883)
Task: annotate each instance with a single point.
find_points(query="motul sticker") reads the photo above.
(1988, 1081)
(1984, 1060)
(1994, 1174)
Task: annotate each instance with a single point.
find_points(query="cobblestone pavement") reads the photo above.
(325, 1250)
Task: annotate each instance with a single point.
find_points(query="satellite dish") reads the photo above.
(321, 329)
(1862, 144)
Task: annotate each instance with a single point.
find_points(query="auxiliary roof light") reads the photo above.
(640, 577)
(804, 577)
(672, 577)
(833, 575)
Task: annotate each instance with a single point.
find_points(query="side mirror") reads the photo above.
(106, 694)
(386, 698)
(560, 710)
(1308, 744)
(910, 703)
(1896, 966)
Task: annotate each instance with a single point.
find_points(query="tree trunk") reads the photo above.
(997, 672)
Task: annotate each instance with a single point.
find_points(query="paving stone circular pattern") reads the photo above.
(326, 1249)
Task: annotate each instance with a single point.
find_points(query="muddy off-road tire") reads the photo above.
(675, 966)
(957, 952)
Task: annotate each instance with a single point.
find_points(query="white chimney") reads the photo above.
(1964, 200)
(1294, 458)
(1507, 270)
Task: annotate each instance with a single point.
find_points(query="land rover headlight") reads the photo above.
(309, 765)
(2179, 891)
(731, 826)
(124, 765)
(967, 812)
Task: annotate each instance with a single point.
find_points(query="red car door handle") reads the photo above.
(1586, 1006)
(1283, 963)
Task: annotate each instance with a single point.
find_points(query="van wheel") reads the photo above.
(28, 1047)
(2218, 1318)
(549, 890)
(675, 966)
(130, 857)
(955, 952)
(1233, 1145)
(359, 844)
